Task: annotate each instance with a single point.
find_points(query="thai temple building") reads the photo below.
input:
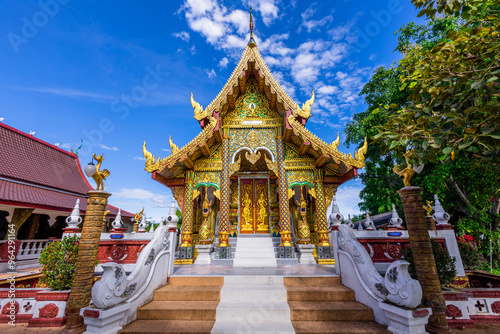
(255, 168)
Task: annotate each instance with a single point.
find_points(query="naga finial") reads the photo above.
(199, 113)
(336, 142)
(173, 147)
(138, 216)
(151, 163)
(305, 111)
(99, 176)
(408, 172)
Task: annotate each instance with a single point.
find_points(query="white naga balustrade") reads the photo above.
(358, 273)
(31, 249)
(117, 296)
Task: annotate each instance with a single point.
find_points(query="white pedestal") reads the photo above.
(204, 254)
(305, 253)
(403, 321)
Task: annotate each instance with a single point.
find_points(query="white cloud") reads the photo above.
(139, 158)
(145, 197)
(211, 74)
(311, 25)
(327, 90)
(223, 62)
(268, 11)
(348, 200)
(113, 148)
(184, 35)
(168, 150)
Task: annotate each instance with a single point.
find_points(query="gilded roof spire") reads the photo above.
(251, 42)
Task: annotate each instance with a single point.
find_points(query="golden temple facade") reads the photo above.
(254, 168)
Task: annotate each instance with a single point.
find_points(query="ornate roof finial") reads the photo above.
(251, 42)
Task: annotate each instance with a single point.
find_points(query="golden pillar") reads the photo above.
(86, 260)
(33, 227)
(186, 248)
(223, 250)
(321, 208)
(425, 264)
(286, 247)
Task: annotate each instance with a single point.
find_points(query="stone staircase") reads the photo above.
(323, 305)
(254, 304)
(255, 252)
(184, 305)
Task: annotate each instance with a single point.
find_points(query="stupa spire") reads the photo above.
(251, 42)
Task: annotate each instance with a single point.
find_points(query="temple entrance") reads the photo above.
(254, 206)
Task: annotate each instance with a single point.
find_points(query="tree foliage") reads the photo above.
(442, 100)
(59, 261)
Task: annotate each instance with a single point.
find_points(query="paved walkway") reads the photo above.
(214, 270)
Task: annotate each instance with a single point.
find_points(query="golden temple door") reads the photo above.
(254, 204)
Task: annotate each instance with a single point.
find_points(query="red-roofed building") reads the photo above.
(39, 185)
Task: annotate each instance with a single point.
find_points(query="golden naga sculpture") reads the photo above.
(151, 163)
(99, 175)
(199, 113)
(271, 165)
(173, 147)
(235, 166)
(305, 111)
(408, 172)
(303, 232)
(336, 142)
(428, 209)
(205, 234)
(138, 216)
(359, 155)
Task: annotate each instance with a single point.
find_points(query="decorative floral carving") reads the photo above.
(7, 308)
(453, 312)
(495, 307)
(150, 258)
(394, 251)
(49, 311)
(117, 252)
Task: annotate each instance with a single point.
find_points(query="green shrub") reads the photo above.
(471, 257)
(59, 261)
(445, 264)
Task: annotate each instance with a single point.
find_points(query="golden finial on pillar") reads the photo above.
(251, 42)
(95, 172)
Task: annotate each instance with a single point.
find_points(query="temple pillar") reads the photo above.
(324, 248)
(86, 260)
(33, 227)
(286, 249)
(186, 248)
(18, 218)
(224, 248)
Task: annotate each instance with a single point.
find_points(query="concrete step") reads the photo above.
(330, 311)
(253, 293)
(262, 311)
(168, 326)
(182, 280)
(255, 255)
(188, 292)
(250, 326)
(351, 327)
(312, 281)
(252, 280)
(320, 293)
(178, 310)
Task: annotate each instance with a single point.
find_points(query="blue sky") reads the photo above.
(115, 73)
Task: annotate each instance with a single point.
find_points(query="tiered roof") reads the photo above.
(211, 119)
(34, 173)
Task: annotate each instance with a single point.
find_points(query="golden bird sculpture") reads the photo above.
(173, 147)
(199, 113)
(305, 111)
(99, 176)
(408, 172)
